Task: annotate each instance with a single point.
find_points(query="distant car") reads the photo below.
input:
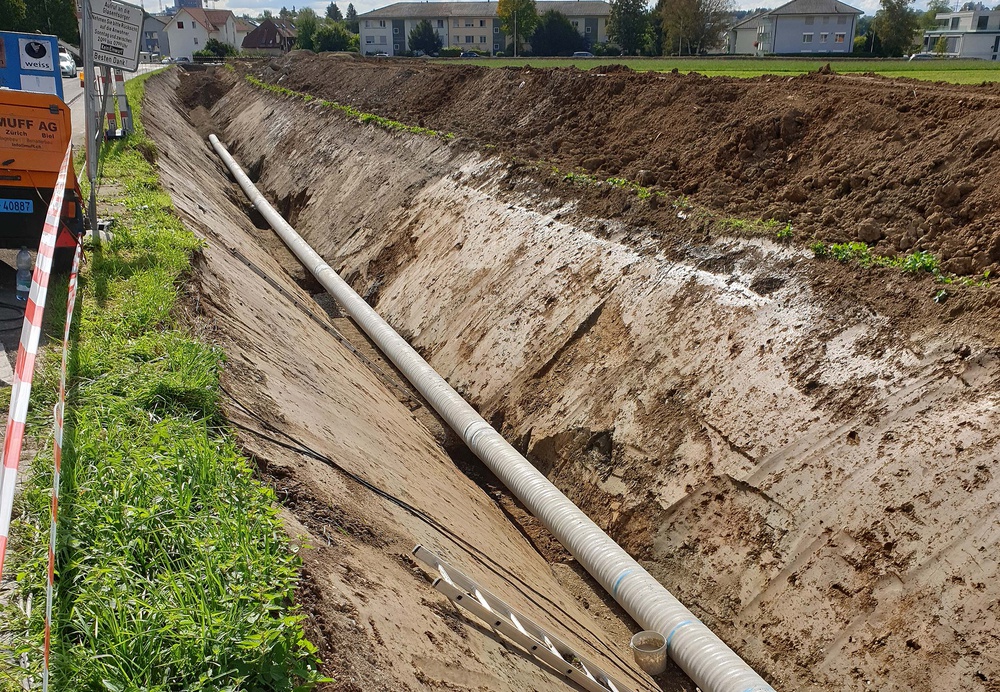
(932, 56)
(166, 61)
(583, 54)
(182, 59)
(381, 54)
(67, 66)
(468, 54)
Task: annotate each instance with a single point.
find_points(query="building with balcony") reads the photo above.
(472, 26)
(797, 27)
(968, 34)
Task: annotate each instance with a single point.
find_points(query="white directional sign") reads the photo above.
(116, 28)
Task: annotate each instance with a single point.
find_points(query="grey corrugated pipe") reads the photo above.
(703, 656)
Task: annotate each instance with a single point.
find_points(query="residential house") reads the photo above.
(154, 39)
(191, 28)
(469, 25)
(797, 27)
(244, 28)
(274, 36)
(969, 34)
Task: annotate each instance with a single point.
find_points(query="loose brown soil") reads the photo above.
(801, 450)
(910, 164)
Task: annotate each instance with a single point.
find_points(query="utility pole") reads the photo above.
(515, 33)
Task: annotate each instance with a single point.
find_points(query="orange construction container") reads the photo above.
(35, 130)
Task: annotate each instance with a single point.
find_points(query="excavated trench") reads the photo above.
(811, 476)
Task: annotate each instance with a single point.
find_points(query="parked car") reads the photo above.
(468, 54)
(67, 66)
(182, 59)
(381, 54)
(932, 56)
(583, 54)
(166, 61)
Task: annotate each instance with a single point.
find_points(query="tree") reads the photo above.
(332, 36)
(628, 25)
(423, 37)
(519, 14)
(896, 26)
(333, 12)
(305, 27)
(352, 18)
(11, 13)
(692, 26)
(928, 20)
(216, 48)
(57, 17)
(555, 35)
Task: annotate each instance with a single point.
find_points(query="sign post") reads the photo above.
(116, 26)
(110, 37)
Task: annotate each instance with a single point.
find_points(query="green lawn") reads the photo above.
(955, 71)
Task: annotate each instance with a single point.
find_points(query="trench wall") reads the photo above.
(815, 483)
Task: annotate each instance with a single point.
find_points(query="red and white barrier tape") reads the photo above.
(58, 413)
(27, 350)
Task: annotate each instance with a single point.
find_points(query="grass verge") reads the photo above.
(174, 572)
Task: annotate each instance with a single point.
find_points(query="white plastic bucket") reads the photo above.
(650, 652)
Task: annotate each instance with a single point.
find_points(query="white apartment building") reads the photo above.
(800, 26)
(469, 25)
(970, 34)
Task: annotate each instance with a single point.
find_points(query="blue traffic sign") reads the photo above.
(30, 62)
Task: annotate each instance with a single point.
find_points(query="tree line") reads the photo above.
(56, 17)
(693, 27)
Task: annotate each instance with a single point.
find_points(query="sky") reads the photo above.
(255, 7)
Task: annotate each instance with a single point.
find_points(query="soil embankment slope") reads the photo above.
(296, 394)
(802, 451)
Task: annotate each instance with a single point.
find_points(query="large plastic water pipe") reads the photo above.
(712, 665)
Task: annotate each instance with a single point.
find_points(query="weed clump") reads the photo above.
(917, 262)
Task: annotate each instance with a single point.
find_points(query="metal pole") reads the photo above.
(515, 33)
(90, 119)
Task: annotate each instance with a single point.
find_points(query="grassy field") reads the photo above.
(954, 71)
(173, 570)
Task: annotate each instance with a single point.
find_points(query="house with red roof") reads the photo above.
(274, 36)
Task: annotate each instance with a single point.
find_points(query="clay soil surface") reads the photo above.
(802, 450)
(909, 164)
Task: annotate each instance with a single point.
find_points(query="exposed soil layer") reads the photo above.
(803, 451)
(903, 164)
(318, 414)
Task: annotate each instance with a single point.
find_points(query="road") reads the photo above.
(73, 94)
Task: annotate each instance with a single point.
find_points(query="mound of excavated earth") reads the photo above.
(802, 451)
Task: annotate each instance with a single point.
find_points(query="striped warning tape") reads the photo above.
(24, 368)
(58, 412)
(123, 108)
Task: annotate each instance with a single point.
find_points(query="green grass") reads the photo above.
(174, 572)
(955, 71)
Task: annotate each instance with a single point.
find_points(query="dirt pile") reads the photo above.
(901, 164)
